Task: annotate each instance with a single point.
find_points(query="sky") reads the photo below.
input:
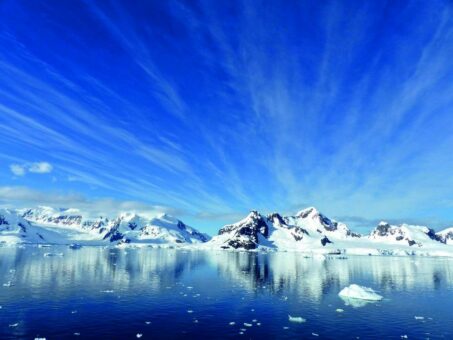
(209, 109)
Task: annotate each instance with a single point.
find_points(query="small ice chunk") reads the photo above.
(139, 335)
(298, 319)
(360, 292)
(404, 336)
(247, 324)
(195, 321)
(77, 334)
(232, 323)
(189, 311)
(40, 338)
(241, 333)
(14, 324)
(285, 327)
(315, 334)
(254, 320)
(107, 291)
(8, 284)
(73, 312)
(339, 310)
(258, 323)
(419, 317)
(147, 322)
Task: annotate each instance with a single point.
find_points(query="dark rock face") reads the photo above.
(325, 240)
(245, 235)
(432, 235)
(382, 229)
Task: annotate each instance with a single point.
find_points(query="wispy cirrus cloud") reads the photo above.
(218, 108)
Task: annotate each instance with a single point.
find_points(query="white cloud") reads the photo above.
(37, 168)
(23, 197)
(40, 168)
(17, 169)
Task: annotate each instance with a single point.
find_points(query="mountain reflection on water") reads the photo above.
(171, 293)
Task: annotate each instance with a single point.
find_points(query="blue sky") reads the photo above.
(209, 109)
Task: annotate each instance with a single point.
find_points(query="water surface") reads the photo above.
(116, 293)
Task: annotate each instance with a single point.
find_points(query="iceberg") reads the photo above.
(298, 319)
(354, 291)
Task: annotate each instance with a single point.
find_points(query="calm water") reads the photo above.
(113, 293)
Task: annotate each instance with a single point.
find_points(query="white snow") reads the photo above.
(355, 291)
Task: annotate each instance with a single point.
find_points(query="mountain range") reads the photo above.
(308, 231)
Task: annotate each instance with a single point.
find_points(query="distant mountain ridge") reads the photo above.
(69, 226)
(311, 231)
(307, 231)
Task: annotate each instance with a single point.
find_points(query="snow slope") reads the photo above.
(446, 235)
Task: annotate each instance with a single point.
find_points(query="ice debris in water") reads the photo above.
(296, 319)
(419, 317)
(247, 324)
(40, 338)
(14, 324)
(315, 334)
(190, 311)
(285, 327)
(8, 284)
(107, 291)
(360, 292)
(147, 322)
(339, 310)
(76, 334)
(232, 323)
(139, 335)
(404, 336)
(53, 254)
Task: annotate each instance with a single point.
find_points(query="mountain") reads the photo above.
(311, 231)
(413, 235)
(446, 235)
(307, 229)
(65, 226)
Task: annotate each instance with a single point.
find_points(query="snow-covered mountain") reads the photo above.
(446, 235)
(311, 231)
(64, 226)
(413, 235)
(307, 229)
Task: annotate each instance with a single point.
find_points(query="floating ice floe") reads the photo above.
(8, 284)
(357, 292)
(190, 311)
(40, 338)
(315, 334)
(147, 322)
(339, 310)
(419, 317)
(14, 325)
(76, 334)
(247, 324)
(298, 319)
(107, 291)
(139, 335)
(404, 336)
(232, 323)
